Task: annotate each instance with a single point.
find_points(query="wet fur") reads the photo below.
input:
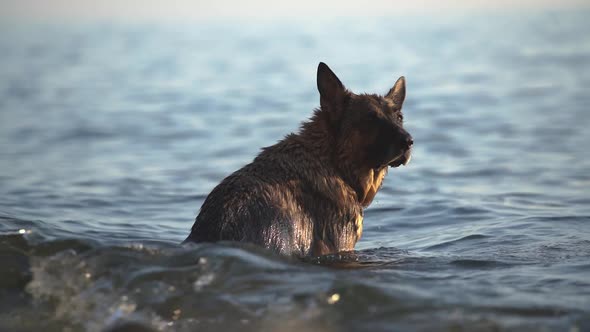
(305, 195)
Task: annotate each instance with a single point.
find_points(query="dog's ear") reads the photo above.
(397, 94)
(330, 88)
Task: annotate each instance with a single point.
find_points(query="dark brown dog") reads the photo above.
(305, 195)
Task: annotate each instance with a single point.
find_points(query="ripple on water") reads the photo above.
(461, 240)
(479, 264)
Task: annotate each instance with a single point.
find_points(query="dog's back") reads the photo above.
(279, 201)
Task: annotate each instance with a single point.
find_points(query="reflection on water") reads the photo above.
(111, 136)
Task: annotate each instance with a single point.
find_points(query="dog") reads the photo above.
(305, 195)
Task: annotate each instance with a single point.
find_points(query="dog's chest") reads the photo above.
(358, 225)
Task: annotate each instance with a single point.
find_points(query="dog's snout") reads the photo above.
(405, 139)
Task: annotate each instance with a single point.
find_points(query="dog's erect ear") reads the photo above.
(397, 94)
(330, 87)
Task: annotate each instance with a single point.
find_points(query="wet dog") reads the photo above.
(305, 195)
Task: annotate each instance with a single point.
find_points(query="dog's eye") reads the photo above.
(400, 117)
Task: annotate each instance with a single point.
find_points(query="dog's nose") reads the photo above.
(409, 141)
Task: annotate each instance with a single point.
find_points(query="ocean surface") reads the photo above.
(112, 135)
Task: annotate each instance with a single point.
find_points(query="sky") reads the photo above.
(197, 9)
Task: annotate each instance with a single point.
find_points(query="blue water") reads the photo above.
(112, 135)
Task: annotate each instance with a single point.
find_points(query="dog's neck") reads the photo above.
(363, 181)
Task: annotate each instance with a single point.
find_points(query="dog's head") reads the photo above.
(368, 127)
